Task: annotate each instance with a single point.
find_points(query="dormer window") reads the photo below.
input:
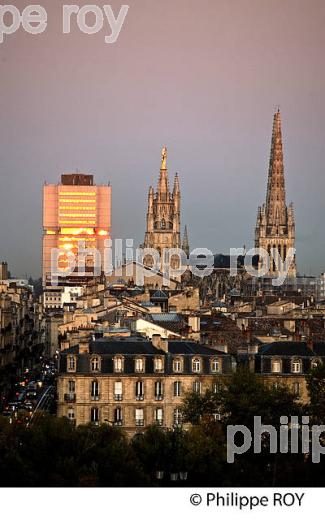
(296, 366)
(71, 363)
(215, 365)
(177, 365)
(276, 366)
(95, 364)
(139, 365)
(196, 365)
(158, 364)
(314, 363)
(118, 364)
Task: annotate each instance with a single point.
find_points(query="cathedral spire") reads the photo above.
(176, 184)
(163, 184)
(185, 243)
(275, 226)
(275, 197)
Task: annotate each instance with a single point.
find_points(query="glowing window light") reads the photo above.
(77, 222)
(102, 233)
(77, 231)
(77, 239)
(82, 193)
(75, 215)
(50, 232)
(77, 201)
(77, 206)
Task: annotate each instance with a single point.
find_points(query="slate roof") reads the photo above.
(136, 345)
(292, 348)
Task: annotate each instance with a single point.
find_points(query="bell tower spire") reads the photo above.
(276, 197)
(275, 227)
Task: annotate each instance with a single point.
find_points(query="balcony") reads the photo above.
(70, 398)
(159, 422)
(118, 423)
(118, 397)
(139, 422)
(95, 397)
(139, 397)
(159, 397)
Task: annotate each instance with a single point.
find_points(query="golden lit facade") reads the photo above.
(74, 210)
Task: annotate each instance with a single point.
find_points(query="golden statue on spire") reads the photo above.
(164, 158)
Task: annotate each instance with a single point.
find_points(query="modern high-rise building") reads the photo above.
(275, 227)
(74, 210)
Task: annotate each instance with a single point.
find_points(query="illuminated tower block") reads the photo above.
(74, 210)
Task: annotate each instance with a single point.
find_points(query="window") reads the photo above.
(314, 363)
(71, 414)
(159, 390)
(216, 387)
(118, 391)
(139, 390)
(177, 417)
(94, 389)
(118, 364)
(296, 366)
(95, 364)
(159, 416)
(71, 363)
(197, 387)
(177, 388)
(196, 365)
(296, 389)
(276, 366)
(215, 365)
(159, 364)
(118, 416)
(139, 417)
(94, 415)
(139, 365)
(72, 386)
(177, 365)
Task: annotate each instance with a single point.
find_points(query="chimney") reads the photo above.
(155, 340)
(84, 347)
(159, 343)
(64, 344)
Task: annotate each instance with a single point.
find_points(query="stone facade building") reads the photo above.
(133, 382)
(275, 227)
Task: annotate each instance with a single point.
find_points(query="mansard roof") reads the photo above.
(293, 348)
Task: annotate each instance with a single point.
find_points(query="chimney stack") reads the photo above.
(84, 347)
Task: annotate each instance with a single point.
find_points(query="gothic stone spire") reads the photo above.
(275, 197)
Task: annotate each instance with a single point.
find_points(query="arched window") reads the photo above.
(215, 365)
(296, 367)
(71, 363)
(95, 364)
(118, 364)
(276, 366)
(314, 363)
(139, 365)
(196, 365)
(177, 365)
(159, 364)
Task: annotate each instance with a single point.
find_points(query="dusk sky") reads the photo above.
(202, 77)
